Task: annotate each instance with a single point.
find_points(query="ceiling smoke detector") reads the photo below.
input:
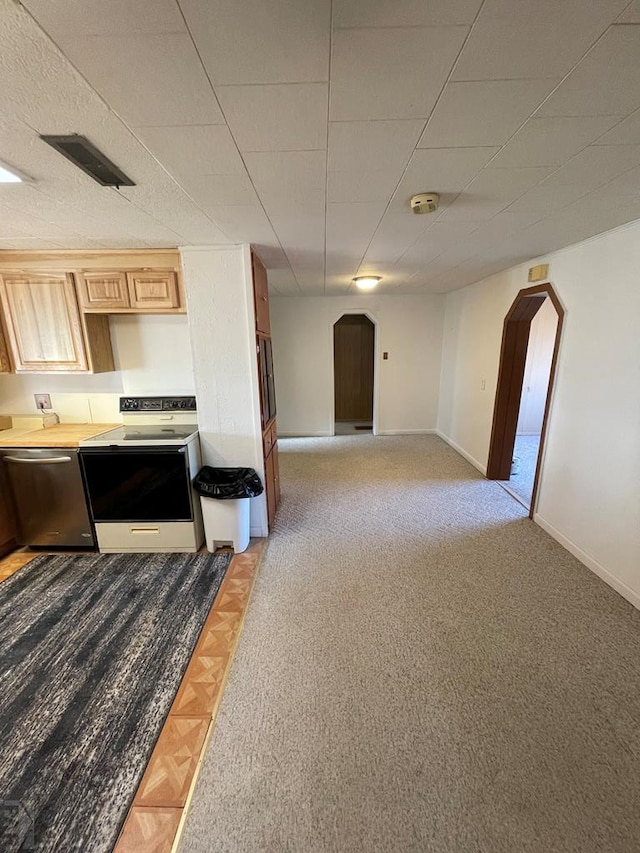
(425, 202)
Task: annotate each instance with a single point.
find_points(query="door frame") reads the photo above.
(332, 408)
(513, 355)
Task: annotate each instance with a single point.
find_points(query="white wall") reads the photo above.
(152, 354)
(535, 383)
(589, 495)
(219, 289)
(409, 328)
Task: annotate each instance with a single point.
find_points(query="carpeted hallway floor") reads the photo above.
(421, 669)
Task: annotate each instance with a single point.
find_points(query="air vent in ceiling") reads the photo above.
(86, 156)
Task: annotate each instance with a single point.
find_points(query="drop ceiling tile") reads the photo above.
(285, 117)
(631, 14)
(29, 243)
(211, 190)
(282, 282)
(374, 74)
(189, 150)
(66, 18)
(546, 199)
(551, 141)
(595, 166)
(303, 232)
(606, 81)
(482, 113)
(472, 209)
(350, 227)
(625, 133)
(247, 223)
(346, 187)
(626, 185)
(506, 184)
(286, 180)
(443, 170)
(403, 13)
(523, 40)
(261, 41)
(372, 146)
(397, 231)
(148, 79)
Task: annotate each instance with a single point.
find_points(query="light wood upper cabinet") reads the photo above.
(145, 291)
(46, 332)
(5, 360)
(153, 289)
(103, 290)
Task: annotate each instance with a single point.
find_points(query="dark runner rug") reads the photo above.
(92, 651)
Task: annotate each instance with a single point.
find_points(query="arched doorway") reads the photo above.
(513, 361)
(353, 365)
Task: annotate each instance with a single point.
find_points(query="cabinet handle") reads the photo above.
(54, 460)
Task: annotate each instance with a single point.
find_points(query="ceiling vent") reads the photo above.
(86, 156)
(425, 202)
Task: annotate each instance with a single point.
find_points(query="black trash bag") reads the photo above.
(226, 484)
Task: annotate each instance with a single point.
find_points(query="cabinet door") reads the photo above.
(100, 291)
(43, 322)
(260, 295)
(7, 520)
(267, 383)
(5, 361)
(276, 470)
(153, 289)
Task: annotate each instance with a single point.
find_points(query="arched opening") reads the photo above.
(508, 409)
(353, 365)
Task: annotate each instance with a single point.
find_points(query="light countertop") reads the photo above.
(60, 435)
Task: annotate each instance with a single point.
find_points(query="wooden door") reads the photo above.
(153, 289)
(353, 352)
(261, 295)
(43, 322)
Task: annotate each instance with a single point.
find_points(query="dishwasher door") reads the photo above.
(49, 497)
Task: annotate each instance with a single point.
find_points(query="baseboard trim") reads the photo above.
(462, 452)
(597, 568)
(286, 434)
(406, 432)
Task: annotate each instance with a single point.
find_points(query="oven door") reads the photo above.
(138, 484)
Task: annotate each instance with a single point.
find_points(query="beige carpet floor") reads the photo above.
(422, 669)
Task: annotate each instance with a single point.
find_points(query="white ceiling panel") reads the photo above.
(403, 13)
(243, 223)
(64, 18)
(148, 79)
(397, 231)
(194, 149)
(445, 170)
(350, 227)
(472, 209)
(375, 74)
(261, 41)
(526, 40)
(546, 199)
(286, 117)
(288, 179)
(551, 141)
(282, 282)
(631, 14)
(595, 166)
(441, 237)
(371, 146)
(606, 81)
(212, 190)
(505, 184)
(345, 187)
(625, 133)
(482, 113)
(303, 233)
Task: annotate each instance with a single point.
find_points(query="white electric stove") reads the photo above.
(138, 477)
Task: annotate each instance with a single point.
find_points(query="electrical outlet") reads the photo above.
(43, 401)
(483, 384)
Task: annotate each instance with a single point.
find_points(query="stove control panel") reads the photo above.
(157, 404)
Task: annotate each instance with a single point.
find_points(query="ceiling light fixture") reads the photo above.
(7, 176)
(366, 282)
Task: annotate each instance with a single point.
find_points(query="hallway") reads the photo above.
(421, 668)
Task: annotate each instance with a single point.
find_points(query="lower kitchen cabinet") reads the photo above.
(7, 518)
(46, 332)
(272, 474)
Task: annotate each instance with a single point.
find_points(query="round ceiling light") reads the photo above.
(366, 282)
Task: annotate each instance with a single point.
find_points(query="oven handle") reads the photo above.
(52, 460)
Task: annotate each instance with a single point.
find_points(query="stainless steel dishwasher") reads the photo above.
(49, 497)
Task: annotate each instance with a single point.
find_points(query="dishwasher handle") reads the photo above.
(52, 460)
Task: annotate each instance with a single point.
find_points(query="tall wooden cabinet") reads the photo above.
(267, 387)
